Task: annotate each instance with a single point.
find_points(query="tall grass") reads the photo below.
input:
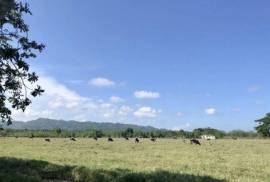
(121, 160)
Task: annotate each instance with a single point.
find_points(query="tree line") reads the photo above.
(129, 132)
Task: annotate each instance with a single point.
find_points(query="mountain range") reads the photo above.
(49, 124)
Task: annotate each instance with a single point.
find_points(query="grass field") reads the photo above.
(24, 159)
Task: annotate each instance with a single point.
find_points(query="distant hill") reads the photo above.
(48, 124)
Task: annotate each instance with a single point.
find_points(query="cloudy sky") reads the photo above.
(170, 64)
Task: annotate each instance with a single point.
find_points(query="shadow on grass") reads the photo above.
(18, 170)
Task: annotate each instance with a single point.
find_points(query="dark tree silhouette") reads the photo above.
(128, 133)
(264, 126)
(16, 80)
(58, 131)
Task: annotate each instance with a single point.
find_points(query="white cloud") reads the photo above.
(146, 112)
(179, 114)
(56, 102)
(142, 94)
(59, 102)
(101, 82)
(254, 88)
(116, 99)
(105, 105)
(59, 95)
(210, 111)
(109, 113)
(30, 114)
(124, 110)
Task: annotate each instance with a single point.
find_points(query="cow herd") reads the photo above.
(137, 140)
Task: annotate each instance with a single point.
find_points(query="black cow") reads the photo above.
(195, 141)
(137, 140)
(95, 138)
(110, 139)
(47, 140)
(153, 139)
(72, 139)
(126, 138)
(234, 138)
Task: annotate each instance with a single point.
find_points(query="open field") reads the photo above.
(121, 160)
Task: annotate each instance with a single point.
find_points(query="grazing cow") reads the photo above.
(137, 140)
(110, 139)
(95, 138)
(47, 140)
(195, 141)
(234, 138)
(72, 139)
(126, 138)
(153, 139)
(175, 138)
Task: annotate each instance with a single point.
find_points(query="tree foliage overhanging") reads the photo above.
(264, 126)
(16, 80)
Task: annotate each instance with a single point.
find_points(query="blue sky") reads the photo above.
(170, 64)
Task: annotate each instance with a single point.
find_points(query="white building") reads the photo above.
(208, 137)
